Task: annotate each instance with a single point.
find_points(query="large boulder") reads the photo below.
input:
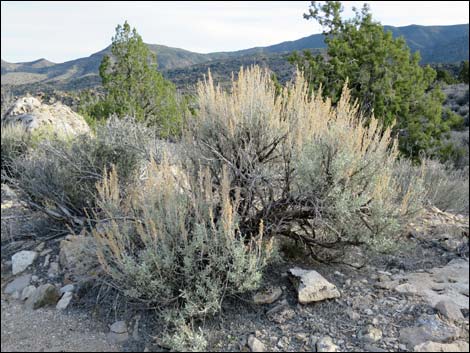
(57, 118)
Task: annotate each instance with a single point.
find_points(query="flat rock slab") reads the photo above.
(458, 346)
(312, 286)
(428, 328)
(448, 283)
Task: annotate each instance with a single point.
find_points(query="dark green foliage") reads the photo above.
(134, 87)
(383, 75)
(463, 74)
(443, 75)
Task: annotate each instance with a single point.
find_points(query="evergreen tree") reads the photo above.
(133, 86)
(383, 75)
(463, 74)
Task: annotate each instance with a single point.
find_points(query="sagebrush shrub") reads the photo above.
(309, 170)
(60, 175)
(445, 187)
(15, 142)
(174, 242)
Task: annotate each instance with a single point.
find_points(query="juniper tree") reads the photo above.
(133, 86)
(383, 75)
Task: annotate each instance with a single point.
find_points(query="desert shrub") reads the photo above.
(60, 175)
(185, 339)
(7, 100)
(174, 242)
(445, 187)
(15, 142)
(308, 170)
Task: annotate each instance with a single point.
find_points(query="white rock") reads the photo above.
(64, 301)
(255, 344)
(313, 286)
(118, 327)
(67, 288)
(21, 260)
(458, 346)
(30, 113)
(325, 344)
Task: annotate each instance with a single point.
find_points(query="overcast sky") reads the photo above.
(61, 31)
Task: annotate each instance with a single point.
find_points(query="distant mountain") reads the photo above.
(436, 44)
(443, 44)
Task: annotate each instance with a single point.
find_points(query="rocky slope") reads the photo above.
(415, 299)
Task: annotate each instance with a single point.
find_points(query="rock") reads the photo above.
(40, 247)
(53, 270)
(78, 258)
(118, 327)
(450, 282)
(450, 310)
(67, 288)
(372, 348)
(44, 295)
(64, 301)
(281, 313)
(325, 344)
(27, 292)
(255, 344)
(371, 334)
(458, 346)
(117, 337)
(429, 328)
(18, 284)
(33, 115)
(283, 342)
(313, 287)
(46, 260)
(267, 297)
(45, 252)
(354, 316)
(21, 260)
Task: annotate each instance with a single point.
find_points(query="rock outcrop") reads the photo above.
(56, 118)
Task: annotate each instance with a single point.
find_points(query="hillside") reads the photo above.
(443, 44)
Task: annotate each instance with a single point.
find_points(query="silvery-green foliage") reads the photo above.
(62, 173)
(175, 243)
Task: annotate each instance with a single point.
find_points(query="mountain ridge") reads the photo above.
(442, 44)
